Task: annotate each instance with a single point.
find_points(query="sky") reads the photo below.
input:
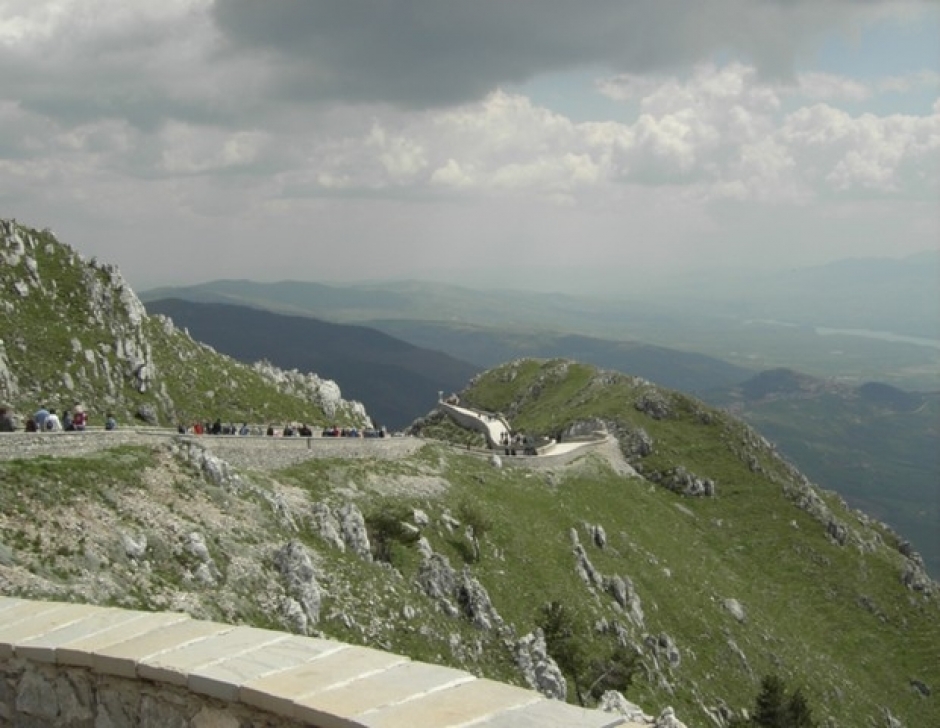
(539, 144)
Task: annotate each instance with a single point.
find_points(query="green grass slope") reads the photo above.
(767, 575)
(876, 445)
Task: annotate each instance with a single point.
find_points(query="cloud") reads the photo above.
(425, 53)
(400, 120)
(830, 86)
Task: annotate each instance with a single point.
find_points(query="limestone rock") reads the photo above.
(736, 609)
(624, 593)
(668, 719)
(352, 526)
(614, 702)
(664, 646)
(538, 669)
(134, 547)
(654, 403)
(294, 565)
(475, 603)
(326, 525)
(680, 480)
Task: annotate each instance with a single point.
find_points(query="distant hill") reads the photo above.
(485, 328)
(874, 444)
(688, 371)
(826, 321)
(397, 381)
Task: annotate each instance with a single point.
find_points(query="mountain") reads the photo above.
(485, 328)
(876, 445)
(688, 371)
(397, 381)
(871, 442)
(882, 327)
(73, 332)
(678, 560)
(675, 557)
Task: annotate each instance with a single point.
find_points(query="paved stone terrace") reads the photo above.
(208, 674)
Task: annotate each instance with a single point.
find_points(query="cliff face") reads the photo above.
(72, 331)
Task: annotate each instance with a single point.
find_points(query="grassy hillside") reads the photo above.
(874, 444)
(767, 575)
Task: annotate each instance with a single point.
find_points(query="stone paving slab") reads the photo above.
(122, 658)
(278, 693)
(552, 714)
(42, 647)
(174, 665)
(8, 603)
(456, 706)
(44, 617)
(316, 682)
(335, 707)
(224, 678)
(82, 651)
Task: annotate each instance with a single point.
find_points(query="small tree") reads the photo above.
(773, 708)
(567, 643)
(478, 524)
(613, 672)
(387, 527)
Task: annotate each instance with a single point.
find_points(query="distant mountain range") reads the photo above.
(397, 380)
(825, 321)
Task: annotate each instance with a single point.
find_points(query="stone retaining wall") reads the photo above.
(255, 452)
(74, 666)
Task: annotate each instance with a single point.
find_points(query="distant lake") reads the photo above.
(867, 333)
(883, 335)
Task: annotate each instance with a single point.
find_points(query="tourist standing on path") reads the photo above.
(6, 419)
(79, 418)
(52, 422)
(40, 418)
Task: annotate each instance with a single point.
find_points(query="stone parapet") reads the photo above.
(78, 665)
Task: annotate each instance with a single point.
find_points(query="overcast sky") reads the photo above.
(537, 143)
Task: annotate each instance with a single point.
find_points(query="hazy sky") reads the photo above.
(539, 143)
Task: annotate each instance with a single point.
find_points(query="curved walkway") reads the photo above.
(71, 663)
(495, 426)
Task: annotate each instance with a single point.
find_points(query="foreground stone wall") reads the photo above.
(80, 666)
(35, 694)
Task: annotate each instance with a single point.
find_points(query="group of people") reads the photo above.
(290, 429)
(212, 428)
(47, 419)
(512, 444)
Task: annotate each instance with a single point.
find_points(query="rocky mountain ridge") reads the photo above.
(73, 331)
